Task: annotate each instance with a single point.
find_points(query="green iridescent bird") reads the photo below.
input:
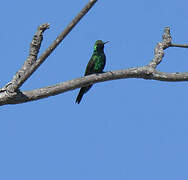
(95, 65)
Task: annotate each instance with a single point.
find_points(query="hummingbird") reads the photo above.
(95, 65)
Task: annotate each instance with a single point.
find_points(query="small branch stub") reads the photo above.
(167, 39)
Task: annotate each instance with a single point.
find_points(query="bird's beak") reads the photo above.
(106, 42)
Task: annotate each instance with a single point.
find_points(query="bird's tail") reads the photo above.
(82, 91)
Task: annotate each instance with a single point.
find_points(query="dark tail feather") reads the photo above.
(80, 95)
(82, 91)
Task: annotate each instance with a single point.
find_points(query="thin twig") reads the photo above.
(179, 45)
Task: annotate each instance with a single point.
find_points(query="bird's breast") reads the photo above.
(99, 63)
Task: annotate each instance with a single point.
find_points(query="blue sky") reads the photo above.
(124, 129)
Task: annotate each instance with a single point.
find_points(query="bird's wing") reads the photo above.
(90, 66)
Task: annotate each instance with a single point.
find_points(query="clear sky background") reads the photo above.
(124, 129)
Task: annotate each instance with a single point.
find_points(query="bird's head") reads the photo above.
(99, 45)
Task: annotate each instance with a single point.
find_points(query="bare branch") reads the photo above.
(22, 76)
(145, 72)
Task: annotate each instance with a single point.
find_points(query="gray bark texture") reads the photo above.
(10, 93)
